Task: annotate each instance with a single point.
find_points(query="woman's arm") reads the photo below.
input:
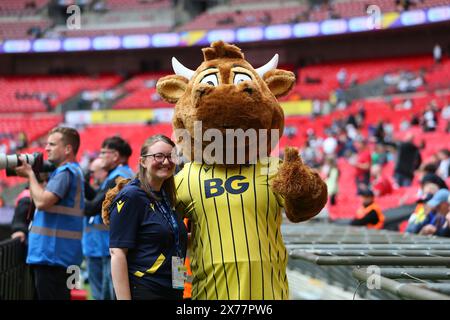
(119, 272)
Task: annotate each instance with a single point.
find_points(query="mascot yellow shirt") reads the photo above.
(233, 209)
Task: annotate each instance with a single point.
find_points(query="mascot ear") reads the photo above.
(171, 88)
(280, 82)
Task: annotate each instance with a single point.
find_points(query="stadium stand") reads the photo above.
(44, 93)
(21, 7)
(24, 29)
(35, 125)
(124, 5)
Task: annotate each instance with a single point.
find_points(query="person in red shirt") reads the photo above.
(381, 185)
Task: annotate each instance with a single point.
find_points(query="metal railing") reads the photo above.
(16, 282)
(409, 266)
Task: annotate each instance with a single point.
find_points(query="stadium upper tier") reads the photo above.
(125, 5)
(43, 93)
(257, 13)
(26, 20)
(22, 29)
(21, 7)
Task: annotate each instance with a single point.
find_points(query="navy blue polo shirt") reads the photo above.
(137, 223)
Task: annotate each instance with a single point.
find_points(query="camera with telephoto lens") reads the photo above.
(36, 160)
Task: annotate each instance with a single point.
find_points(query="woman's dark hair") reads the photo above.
(169, 185)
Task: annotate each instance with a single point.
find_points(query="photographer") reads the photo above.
(54, 241)
(114, 156)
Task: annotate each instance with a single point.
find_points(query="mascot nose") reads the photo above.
(248, 90)
(246, 87)
(200, 92)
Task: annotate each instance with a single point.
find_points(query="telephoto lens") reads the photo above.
(12, 161)
(36, 160)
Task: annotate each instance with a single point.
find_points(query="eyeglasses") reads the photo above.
(160, 157)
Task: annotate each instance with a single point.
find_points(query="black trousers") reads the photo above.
(51, 282)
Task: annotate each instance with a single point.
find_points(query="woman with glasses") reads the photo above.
(147, 239)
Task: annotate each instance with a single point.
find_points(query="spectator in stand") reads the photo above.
(345, 145)
(379, 132)
(429, 120)
(444, 165)
(407, 161)
(290, 131)
(445, 232)
(370, 214)
(352, 133)
(388, 132)
(362, 112)
(30, 5)
(381, 185)
(22, 140)
(415, 120)
(316, 108)
(404, 125)
(353, 80)
(429, 175)
(266, 18)
(403, 5)
(362, 163)
(341, 77)
(351, 120)
(379, 155)
(417, 218)
(330, 145)
(445, 116)
(445, 113)
(226, 20)
(437, 54)
(330, 172)
(308, 154)
(436, 222)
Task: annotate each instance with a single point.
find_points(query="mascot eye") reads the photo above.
(210, 79)
(239, 77)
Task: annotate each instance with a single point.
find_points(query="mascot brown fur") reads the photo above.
(235, 207)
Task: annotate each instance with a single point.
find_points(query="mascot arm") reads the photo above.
(304, 192)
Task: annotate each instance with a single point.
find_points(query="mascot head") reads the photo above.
(226, 109)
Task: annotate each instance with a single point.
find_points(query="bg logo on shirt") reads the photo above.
(215, 187)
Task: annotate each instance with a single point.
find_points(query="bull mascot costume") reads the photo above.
(227, 121)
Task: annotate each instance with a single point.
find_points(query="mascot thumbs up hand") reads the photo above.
(302, 188)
